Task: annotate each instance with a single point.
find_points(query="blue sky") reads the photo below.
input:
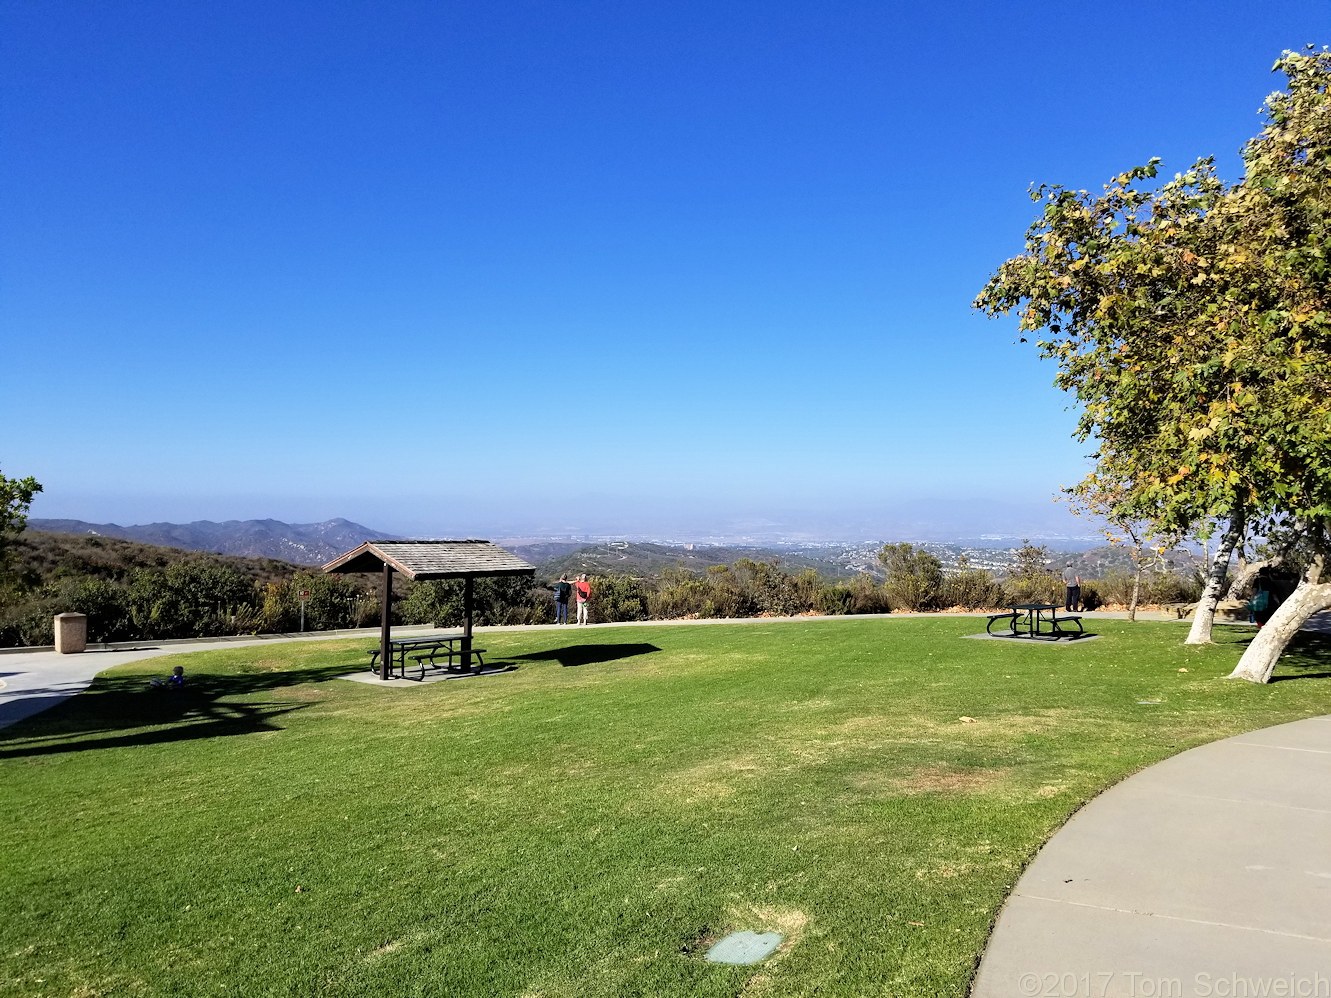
(552, 267)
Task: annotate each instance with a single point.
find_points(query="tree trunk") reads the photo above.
(1260, 658)
(1204, 616)
(1136, 587)
(1241, 587)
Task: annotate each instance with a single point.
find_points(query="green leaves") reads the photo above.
(1190, 319)
(16, 495)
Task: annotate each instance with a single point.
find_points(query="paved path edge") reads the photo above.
(1205, 874)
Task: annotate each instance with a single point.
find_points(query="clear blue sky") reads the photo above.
(507, 267)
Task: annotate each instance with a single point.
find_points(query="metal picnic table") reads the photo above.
(425, 650)
(1029, 620)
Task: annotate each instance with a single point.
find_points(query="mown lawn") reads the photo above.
(585, 824)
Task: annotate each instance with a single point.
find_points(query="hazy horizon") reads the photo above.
(921, 520)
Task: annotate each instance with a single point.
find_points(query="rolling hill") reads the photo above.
(298, 543)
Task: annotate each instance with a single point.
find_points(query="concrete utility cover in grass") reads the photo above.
(744, 947)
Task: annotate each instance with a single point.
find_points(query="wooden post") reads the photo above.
(384, 626)
(466, 622)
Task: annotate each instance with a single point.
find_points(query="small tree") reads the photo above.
(1031, 578)
(16, 495)
(1111, 502)
(914, 577)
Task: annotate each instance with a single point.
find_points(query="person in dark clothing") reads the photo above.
(563, 589)
(1072, 589)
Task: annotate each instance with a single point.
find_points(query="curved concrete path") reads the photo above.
(1208, 874)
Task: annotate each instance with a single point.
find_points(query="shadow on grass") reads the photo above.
(121, 711)
(1307, 657)
(576, 655)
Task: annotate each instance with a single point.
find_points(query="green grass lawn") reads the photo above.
(588, 823)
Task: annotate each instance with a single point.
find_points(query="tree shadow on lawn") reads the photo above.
(120, 711)
(1308, 651)
(576, 655)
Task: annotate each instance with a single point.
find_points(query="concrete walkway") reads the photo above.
(1208, 874)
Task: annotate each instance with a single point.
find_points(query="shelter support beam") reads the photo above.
(386, 663)
(467, 585)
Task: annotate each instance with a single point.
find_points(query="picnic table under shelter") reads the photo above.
(427, 561)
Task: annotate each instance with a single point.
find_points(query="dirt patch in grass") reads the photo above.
(306, 694)
(265, 665)
(887, 729)
(388, 947)
(392, 946)
(939, 779)
(790, 922)
(1059, 718)
(714, 780)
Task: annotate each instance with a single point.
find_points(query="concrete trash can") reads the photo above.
(71, 632)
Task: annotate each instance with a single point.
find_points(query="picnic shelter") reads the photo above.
(425, 561)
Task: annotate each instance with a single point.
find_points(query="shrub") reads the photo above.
(1031, 580)
(1172, 589)
(189, 600)
(500, 600)
(836, 600)
(107, 604)
(679, 594)
(31, 621)
(335, 602)
(1090, 596)
(973, 589)
(914, 578)
(1034, 589)
(616, 598)
(870, 597)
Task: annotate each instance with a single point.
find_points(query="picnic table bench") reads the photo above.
(1031, 617)
(426, 652)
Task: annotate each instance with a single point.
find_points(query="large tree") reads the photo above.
(1190, 321)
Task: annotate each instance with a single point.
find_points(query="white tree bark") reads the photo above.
(1241, 587)
(1259, 660)
(1204, 616)
(1136, 587)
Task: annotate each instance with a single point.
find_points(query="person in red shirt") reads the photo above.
(583, 588)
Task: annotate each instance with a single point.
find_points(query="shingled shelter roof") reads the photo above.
(424, 560)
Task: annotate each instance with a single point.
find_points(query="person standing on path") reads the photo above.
(562, 591)
(1072, 587)
(584, 590)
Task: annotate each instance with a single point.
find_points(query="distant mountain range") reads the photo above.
(300, 543)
